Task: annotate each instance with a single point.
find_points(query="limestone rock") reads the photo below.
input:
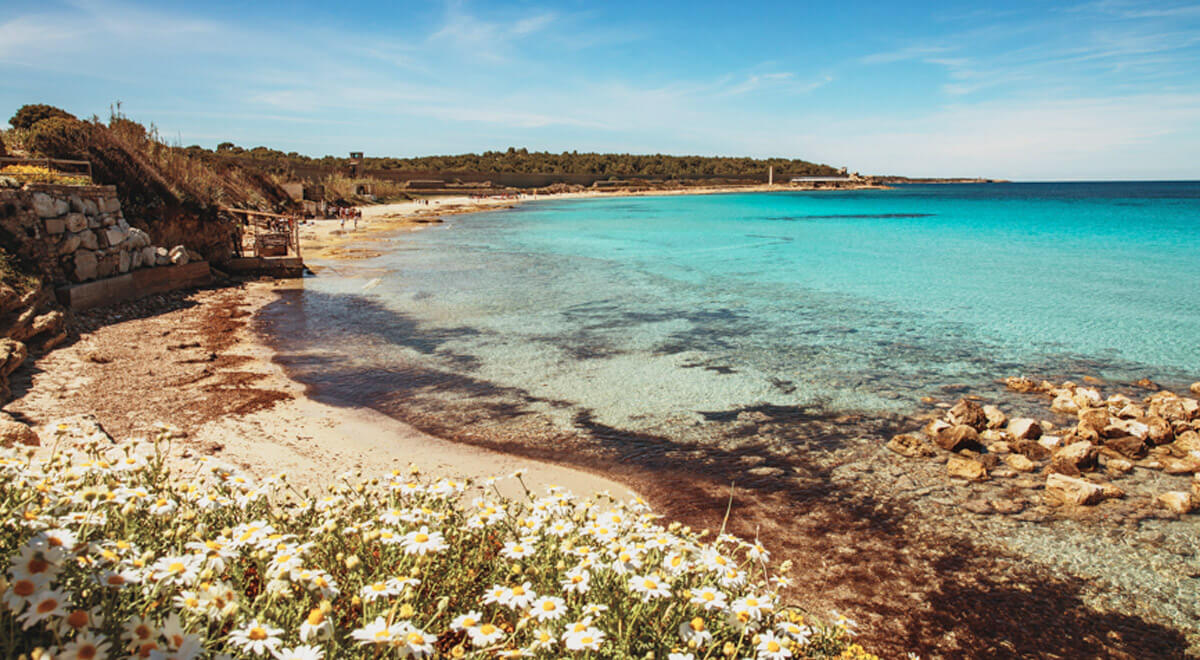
(179, 255)
(88, 240)
(12, 354)
(1177, 501)
(1186, 465)
(1024, 428)
(194, 256)
(1071, 490)
(1128, 446)
(55, 226)
(957, 437)
(1020, 463)
(115, 236)
(995, 417)
(124, 262)
(934, 428)
(966, 468)
(75, 221)
(111, 204)
(968, 413)
(137, 238)
(1159, 430)
(86, 265)
(70, 243)
(1030, 449)
(162, 257)
(149, 256)
(43, 204)
(1195, 388)
(1116, 466)
(1186, 442)
(1065, 404)
(1086, 397)
(1074, 459)
(997, 447)
(51, 321)
(90, 208)
(911, 445)
(135, 259)
(1050, 442)
(1093, 418)
(14, 433)
(1020, 384)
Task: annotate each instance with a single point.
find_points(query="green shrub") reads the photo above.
(31, 114)
(59, 137)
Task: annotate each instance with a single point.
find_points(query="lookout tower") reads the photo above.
(356, 158)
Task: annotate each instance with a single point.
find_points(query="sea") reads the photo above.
(661, 330)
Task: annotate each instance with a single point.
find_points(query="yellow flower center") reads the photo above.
(142, 632)
(773, 646)
(316, 617)
(257, 634)
(469, 622)
(586, 640)
(36, 565)
(421, 538)
(697, 624)
(48, 605)
(77, 619)
(752, 602)
(650, 584)
(176, 567)
(487, 629)
(24, 588)
(518, 591)
(382, 634)
(87, 651)
(378, 586)
(548, 606)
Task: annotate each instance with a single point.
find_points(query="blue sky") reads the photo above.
(1032, 91)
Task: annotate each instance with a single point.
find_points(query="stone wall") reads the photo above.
(75, 233)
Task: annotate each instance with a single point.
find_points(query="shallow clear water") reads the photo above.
(778, 340)
(860, 300)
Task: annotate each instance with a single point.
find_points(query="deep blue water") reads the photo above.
(644, 308)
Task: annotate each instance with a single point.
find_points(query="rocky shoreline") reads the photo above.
(1138, 455)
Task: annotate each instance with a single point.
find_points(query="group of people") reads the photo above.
(345, 213)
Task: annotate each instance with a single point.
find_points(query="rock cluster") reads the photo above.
(1107, 438)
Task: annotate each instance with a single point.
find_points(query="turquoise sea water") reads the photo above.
(653, 306)
(731, 338)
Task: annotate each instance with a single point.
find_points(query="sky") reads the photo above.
(1018, 90)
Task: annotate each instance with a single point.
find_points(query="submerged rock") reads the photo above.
(1020, 384)
(966, 468)
(1020, 463)
(1072, 490)
(1177, 501)
(911, 445)
(995, 417)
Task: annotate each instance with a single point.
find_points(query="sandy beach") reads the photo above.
(194, 360)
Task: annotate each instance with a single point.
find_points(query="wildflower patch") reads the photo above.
(108, 554)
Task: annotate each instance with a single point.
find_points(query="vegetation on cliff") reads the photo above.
(108, 554)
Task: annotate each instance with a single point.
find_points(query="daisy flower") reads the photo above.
(423, 541)
(649, 586)
(587, 640)
(520, 596)
(45, 605)
(548, 608)
(316, 626)
(302, 653)
(772, 647)
(415, 642)
(755, 606)
(257, 638)
(708, 598)
(516, 550)
(695, 632)
(576, 581)
(465, 621)
(376, 632)
(485, 635)
(86, 646)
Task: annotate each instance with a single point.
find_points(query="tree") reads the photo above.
(28, 115)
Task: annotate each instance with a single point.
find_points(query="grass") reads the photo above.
(110, 554)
